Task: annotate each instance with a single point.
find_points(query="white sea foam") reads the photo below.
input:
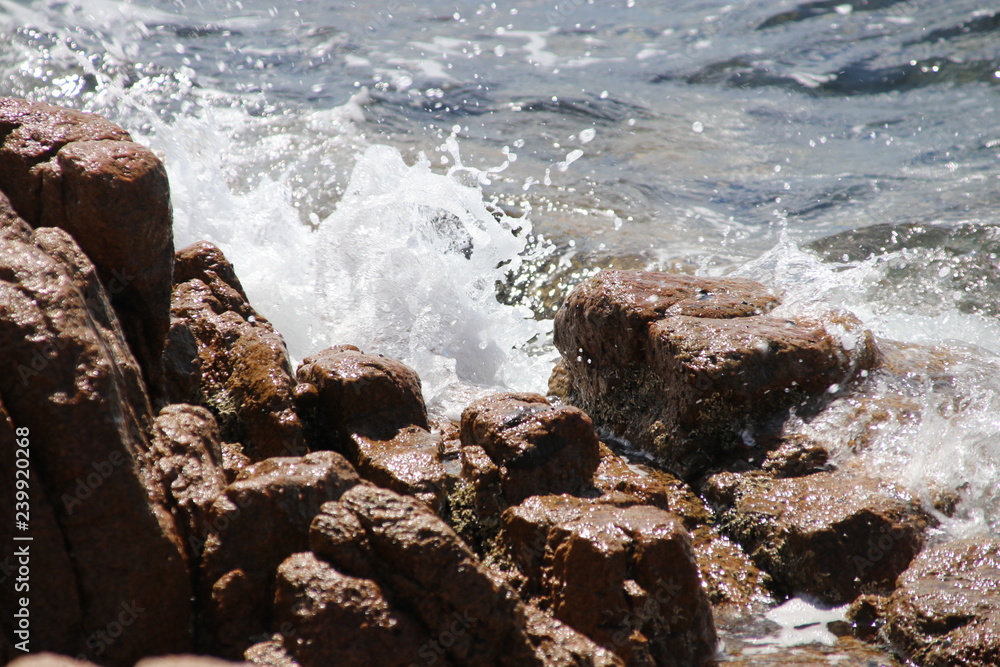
(406, 265)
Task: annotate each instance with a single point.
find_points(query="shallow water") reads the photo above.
(380, 173)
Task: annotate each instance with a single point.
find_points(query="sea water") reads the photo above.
(427, 181)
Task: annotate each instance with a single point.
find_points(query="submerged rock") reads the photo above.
(82, 173)
(687, 368)
(624, 576)
(222, 354)
(946, 609)
(831, 535)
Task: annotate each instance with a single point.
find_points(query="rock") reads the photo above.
(371, 409)
(271, 653)
(649, 486)
(734, 585)
(408, 463)
(81, 173)
(68, 377)
(362, 393)
(558, 645)
(831, 535)
(475, 503)
(241, 371)
(342, 620)
(537, 447)
(686, 368)
(946, 607)
(276, 498)
(867, 616)
(188, 458)
(796, 457)
(414, 562)
(428, 568)
(59, 628)
(624, 576)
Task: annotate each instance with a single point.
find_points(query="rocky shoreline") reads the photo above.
(189, 492)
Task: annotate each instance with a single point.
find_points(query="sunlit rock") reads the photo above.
(222, 354)
(946, 610)
(687, 368)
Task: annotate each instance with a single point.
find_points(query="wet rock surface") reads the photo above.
(69, 378)
(832, 536)
(946, 609)
(255, 524)
(371, 409)
(188, 461)
(240, 369)
(83, 174)
(537, 447)
(686, 368)
(385, 564)
(513, 537)
(624, 576)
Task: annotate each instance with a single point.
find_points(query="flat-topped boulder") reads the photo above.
(686, 368)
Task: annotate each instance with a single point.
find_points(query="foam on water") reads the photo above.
(947, 435)
(406, 265)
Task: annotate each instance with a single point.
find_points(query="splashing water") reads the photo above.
(781, 146)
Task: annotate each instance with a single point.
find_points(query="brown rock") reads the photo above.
(77, 171)
(537, 447)
(68, 377)
(649, 486)
(830, 535)
(270, 652)
(371, 408)
(796, 457)
(733, 583)
(419, 564)
(241, 372)
(276, 498)
(686, 368)
(341, 620)
(558, 645)
(362, 393)
(59, 629)
(428, 568)
(189, 460)
(408, 463)
(624, 576)
(735, 586)
(946, 608)
(477, 500)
